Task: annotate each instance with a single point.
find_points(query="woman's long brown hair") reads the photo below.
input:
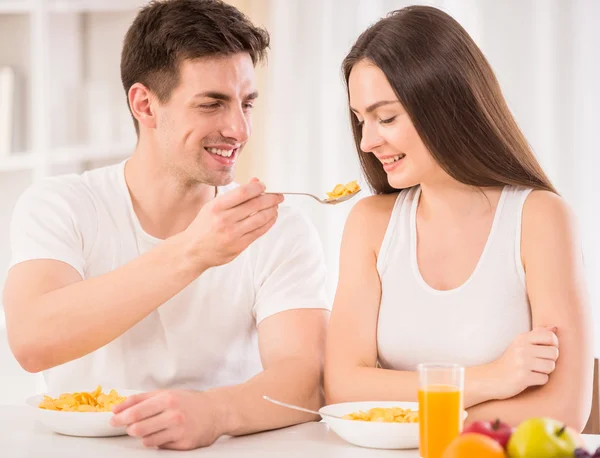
(453, 98)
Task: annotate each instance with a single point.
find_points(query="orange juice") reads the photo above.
(440, 418)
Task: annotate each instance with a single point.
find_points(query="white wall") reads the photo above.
(14, 29)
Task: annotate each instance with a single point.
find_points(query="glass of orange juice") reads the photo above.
(440, 406)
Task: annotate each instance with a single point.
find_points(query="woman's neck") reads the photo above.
(451, 201)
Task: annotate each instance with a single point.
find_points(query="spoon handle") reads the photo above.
(291, 406)
(299, 194)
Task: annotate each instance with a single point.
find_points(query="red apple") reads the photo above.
(497, 430)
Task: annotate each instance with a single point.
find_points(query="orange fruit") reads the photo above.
(473, 445)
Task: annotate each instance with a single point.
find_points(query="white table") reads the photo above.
(22, 437)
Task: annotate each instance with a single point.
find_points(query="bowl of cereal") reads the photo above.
(380, 425)
(84, 414)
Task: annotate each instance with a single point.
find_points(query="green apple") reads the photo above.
(541, 438)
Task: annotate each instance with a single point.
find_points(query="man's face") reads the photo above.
(204, 126)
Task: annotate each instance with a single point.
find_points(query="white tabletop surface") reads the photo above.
(22, 437)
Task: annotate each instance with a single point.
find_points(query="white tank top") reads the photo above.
(472, 324)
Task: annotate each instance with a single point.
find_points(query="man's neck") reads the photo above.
(163, 205)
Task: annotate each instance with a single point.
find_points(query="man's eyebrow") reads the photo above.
(224, 97)
(213, 95)
(376, 105)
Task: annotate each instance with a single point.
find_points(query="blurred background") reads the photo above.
(62, 107)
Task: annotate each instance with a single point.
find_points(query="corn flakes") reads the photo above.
(344, 190)
(387, 415)
(95, 401)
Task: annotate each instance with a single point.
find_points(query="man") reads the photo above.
(159, 274)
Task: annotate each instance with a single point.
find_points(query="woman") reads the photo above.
(465, 253)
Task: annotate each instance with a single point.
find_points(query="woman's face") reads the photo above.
(387, 130)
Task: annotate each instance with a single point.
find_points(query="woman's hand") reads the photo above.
(528, 361)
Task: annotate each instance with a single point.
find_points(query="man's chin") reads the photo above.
(202, 173)
(220, 179)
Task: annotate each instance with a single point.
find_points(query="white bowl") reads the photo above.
(368, 434)
(83, 424)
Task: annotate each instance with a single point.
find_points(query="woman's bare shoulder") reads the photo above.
(543, 209)
(374, 208)
(370, 217)
(549, 224)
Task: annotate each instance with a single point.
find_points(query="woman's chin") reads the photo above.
(401, 182)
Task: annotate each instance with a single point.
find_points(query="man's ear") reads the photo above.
(141, 104)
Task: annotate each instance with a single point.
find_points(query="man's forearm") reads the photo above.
(70, 322)
(244, 411)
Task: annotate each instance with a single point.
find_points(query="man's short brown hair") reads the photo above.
(166, 32)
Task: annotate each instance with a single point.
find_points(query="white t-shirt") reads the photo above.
(205, 336)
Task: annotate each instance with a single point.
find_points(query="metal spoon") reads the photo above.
(301, 409)
(335, 201)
